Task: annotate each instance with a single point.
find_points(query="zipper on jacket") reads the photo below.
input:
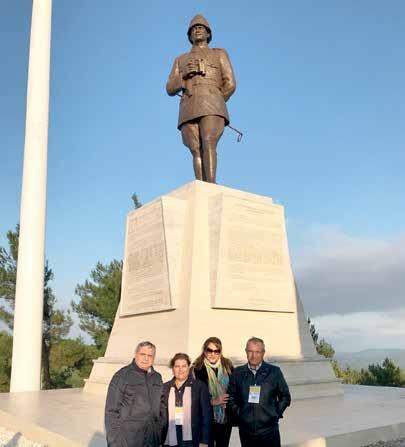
(255, 405)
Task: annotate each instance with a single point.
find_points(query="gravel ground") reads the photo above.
(11, 439)
(396, 443)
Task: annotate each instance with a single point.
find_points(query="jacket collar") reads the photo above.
(188, 382)
(264, 369)
(199, 50)
(140, 370)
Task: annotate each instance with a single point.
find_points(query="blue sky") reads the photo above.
(321, 101)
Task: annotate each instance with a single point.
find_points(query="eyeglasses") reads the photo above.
(213, 351)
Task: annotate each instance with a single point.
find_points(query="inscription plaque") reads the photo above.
(147, 279)
(249, 262)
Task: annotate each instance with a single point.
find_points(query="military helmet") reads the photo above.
(199, 20)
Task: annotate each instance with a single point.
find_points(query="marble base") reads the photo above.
(207, 260)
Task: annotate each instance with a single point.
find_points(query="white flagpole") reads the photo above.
(28, 312)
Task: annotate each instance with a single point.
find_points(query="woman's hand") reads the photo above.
(220, 400)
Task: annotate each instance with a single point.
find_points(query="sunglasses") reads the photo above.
(213, 351)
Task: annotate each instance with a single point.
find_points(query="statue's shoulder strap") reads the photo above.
(213, 55)
(220, 53)
(219, 50)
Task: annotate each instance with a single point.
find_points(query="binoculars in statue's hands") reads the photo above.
(195, 67)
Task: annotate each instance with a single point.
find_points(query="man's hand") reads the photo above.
(203, 445)
(191, 69)
(220, 400)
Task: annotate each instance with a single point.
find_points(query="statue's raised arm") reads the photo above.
(205, 80)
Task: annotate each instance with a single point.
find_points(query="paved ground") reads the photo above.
(72, 418)
(10, 439)
(396, 443)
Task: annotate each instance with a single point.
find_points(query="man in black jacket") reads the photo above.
(132, 409)
(258, 396)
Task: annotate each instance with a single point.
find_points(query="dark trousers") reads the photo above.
(221, 434)
(270, 439)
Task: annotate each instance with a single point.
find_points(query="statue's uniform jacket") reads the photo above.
(203, 94)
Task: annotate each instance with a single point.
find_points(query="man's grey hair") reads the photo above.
(256, 341)
(148, 344)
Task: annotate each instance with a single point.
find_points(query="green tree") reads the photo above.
(56, 323)
(313, 332)
(348, 375)
(99, 297)
(98, 302)
(384, 374)
(326, 349)
(56, 326)
(135, 199)
(8, 275)
(71, 361)
(6, 346)
(322, 346)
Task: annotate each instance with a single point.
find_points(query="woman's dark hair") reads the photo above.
(179, 356)
(199, 361)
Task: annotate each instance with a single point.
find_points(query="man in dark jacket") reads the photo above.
(258, 396)
(132, 409)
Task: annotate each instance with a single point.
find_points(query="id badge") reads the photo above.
(179, 415)
(254, 394)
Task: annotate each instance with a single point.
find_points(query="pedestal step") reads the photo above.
(308, 378)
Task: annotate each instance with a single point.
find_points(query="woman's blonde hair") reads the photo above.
(199, 361)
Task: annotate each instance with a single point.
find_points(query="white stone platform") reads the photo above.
(206, 260)
(71, 418)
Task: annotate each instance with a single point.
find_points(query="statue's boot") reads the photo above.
(190, 134)
(198, 168)
(210, 163)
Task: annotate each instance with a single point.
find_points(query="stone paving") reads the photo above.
(396, 443)
(11, 439)
(67, 418)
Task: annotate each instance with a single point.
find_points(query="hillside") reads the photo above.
(364, 358)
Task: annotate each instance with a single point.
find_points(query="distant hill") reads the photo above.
(364, 358)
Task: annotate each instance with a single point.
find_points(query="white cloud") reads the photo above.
(336, 273)
(363, 330)
(353, 289)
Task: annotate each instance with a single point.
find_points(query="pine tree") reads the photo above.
(56, 323)
(322, 346)
(99, 298)
(384, 374)
(137, 203)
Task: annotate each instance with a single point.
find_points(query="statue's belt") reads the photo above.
(204, 81)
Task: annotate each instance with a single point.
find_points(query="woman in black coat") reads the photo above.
(188, 406)
(214, 369)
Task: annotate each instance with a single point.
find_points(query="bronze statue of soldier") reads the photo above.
(205, 81)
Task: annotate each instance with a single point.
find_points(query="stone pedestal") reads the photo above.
(206, 260)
